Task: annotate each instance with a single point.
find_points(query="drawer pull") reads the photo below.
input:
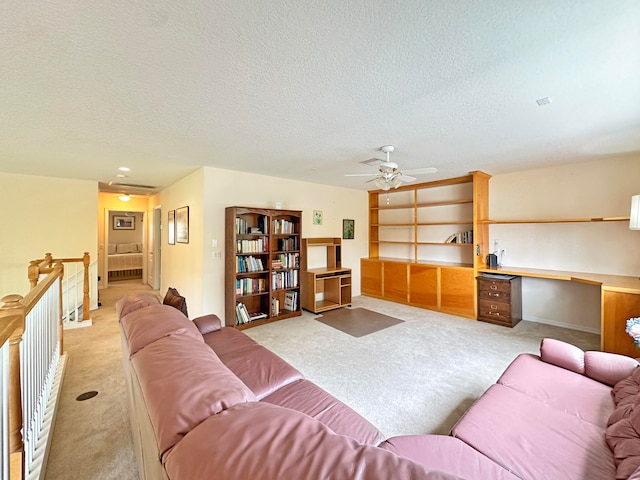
(497, 314)
(494, 307)
(491, 294)
(493, 287)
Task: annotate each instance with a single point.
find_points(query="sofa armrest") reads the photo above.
(608, 368)
(208, 323)
(562, 354)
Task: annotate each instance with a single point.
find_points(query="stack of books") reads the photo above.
(243, 316)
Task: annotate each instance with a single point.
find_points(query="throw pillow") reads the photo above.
(176, 300)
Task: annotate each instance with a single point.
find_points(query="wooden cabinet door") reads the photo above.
(395, 282)
(371, 277)
(457, 290)
(423, 286)
(617, 307)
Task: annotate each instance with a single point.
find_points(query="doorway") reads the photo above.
(125, 239)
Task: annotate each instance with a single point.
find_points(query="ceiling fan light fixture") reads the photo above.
(395, 182)
(382, 184)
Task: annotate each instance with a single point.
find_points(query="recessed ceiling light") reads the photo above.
(543, 101)
(124, 169)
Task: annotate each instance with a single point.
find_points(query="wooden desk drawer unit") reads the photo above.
(500, 299)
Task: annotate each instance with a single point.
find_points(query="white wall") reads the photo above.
(183, 264)
(590, 189)
(193, 270)
(40, 215)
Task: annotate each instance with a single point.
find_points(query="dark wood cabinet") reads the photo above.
(500, 299)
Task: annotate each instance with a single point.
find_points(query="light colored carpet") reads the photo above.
(417, 377)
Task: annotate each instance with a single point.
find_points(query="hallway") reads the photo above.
(92, 438)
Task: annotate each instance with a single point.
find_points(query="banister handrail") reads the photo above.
(20, 324)
(45, 266)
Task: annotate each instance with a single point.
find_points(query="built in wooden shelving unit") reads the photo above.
(425, 243)
(329, 287)
(262, 264)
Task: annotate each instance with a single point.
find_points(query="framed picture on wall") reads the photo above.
(348, 229)
(124, 223)
(171, 227)
(182, 225)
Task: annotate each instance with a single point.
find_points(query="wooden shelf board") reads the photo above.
(555, 220)
(245, 274)
(255, 294)
(619, 283)
(423, 262)
(427, 224)
(447, 244)
(326, 305)
(393, 225)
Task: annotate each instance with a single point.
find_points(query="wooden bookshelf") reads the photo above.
(262, 264)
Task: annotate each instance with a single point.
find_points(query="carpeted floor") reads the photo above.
(357, 322)
(418, 376)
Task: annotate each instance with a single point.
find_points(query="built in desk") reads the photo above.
(620, 300)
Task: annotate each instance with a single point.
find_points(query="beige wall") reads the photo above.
(110, 202)
(200, 277)
(590, 189)
(183, 263)
(40, 215)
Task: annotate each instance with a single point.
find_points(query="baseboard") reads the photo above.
(41, 454)
(555, 323)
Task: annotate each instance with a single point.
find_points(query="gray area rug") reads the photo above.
(357, 322)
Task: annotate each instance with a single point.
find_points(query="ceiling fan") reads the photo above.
(388, 175)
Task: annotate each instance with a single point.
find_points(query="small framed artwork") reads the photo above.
(317, 217)
(348, 229)
(182, 225)
(171, 227)
(124, 223)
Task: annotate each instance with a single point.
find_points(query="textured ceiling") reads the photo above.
(307, 90)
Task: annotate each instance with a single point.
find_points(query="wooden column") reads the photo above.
(12, 310)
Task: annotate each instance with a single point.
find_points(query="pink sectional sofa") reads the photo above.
(209, 402)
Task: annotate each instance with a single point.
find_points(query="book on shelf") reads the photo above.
(242, 315)
(275, 307)
(460, 237)
(291, 301)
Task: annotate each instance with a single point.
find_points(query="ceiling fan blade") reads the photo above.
(406, 178)
(421, 171)
(372, 180)
(361, 175)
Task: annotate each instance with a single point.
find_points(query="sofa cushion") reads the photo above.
(308, 398)
(627, 389)
(448, 454)
(559, 388)
(228, 340)
(533, 440)
(267, 442)
(207, 323)
(608, 368)
(260, 369)
(177, 301)
(145, 326)
(111, 249)
(624, 440)
(183, 383)
(133, 302)
(562, 354)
